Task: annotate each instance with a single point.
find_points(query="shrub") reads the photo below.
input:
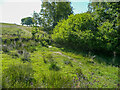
(107, 37)
(47, 57)
(18, 76)
(14, 54)
(81, 80)
(82, 31)
(44, 43)
(76, 31)
(42, 37)
(55, 79)
(32, 49)
(25, 56)
(67, 62)
(53, 66)
(5, 48)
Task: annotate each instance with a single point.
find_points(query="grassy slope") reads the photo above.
(98, 75)
(12, 30)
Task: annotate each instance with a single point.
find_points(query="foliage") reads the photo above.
(42, 37)
(5, 48)
(107, 36)
(12, 31)
(34, 31)
(82, 75)
(85, 31)
(37, 19)
(62, 67)
(27, 21)
(52, 12)
(106, 17)
(18, 75)
(55, 79)
(25, 57)
(53, 66)
(74, 32)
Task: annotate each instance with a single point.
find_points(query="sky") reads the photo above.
(12, 11)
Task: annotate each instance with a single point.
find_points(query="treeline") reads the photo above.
(97, 30)
(49, 15)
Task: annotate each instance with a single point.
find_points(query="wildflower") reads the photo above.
(31, 83)
(94, 80)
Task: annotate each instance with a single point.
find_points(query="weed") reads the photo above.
(18, 75)
(68, 63)
(53, 66)
(25, 57)
(5, 49)
(56, 80)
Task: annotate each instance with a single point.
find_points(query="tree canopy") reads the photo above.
(96, 30)
(27, 21)
(52, 12)
(37, 19)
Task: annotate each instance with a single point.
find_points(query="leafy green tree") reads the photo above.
(37, 19)
(27, 21)
(103, 11)
(80, 31)
(106, 16)
(34, 31)
(77, 31)
(52, 12)
(23, 21)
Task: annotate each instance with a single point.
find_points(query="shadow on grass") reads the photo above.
(100, 56)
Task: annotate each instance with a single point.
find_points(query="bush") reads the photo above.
(55, 79)
(67, 62)
(76, 31)
(106, 37)
(26, 56)
(5, 48)
(53, 66)
(14, 54)
(47, 57)
(83, 32)
(18, 76)
(42, 37)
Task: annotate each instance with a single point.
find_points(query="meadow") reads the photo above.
(41, 63)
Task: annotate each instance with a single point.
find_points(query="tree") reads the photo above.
(27, 21)
(52, 12)
(106, 16)
(76, 32)
(23, 21)
(105, 11)
(97, 30)
(34, 31)
(37, 19)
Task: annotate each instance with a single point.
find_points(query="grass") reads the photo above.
(97, 75)
(7, 24)
(38, 66)
(13, 31)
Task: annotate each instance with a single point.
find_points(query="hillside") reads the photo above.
(13, 30)
(29, 63)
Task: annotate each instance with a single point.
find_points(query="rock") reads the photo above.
(50, 46)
